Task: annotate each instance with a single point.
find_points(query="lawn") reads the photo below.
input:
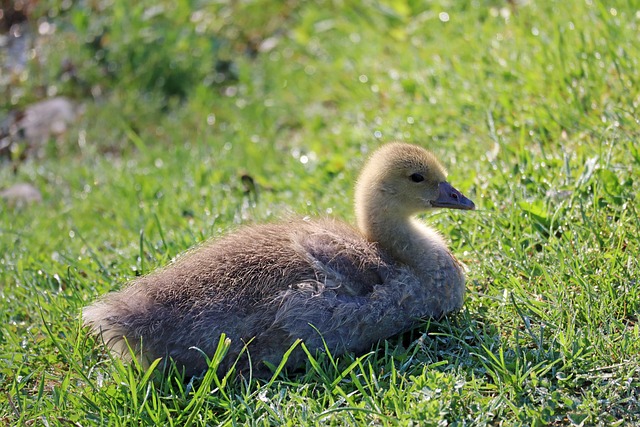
(200, 116)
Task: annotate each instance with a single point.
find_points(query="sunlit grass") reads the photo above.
(531, 105)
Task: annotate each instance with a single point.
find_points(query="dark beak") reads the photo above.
(451, 198)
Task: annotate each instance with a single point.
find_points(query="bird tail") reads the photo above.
(104, 321)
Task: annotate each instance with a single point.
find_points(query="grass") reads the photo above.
(533, 106)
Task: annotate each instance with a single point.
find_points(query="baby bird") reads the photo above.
(321, 281)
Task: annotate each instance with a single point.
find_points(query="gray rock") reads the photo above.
(21, 194)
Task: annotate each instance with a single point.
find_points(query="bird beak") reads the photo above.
(451, 198)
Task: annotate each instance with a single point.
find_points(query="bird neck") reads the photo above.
(405, 238)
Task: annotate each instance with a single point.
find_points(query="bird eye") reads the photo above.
(416, 177)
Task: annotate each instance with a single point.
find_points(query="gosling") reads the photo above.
(321, 281)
